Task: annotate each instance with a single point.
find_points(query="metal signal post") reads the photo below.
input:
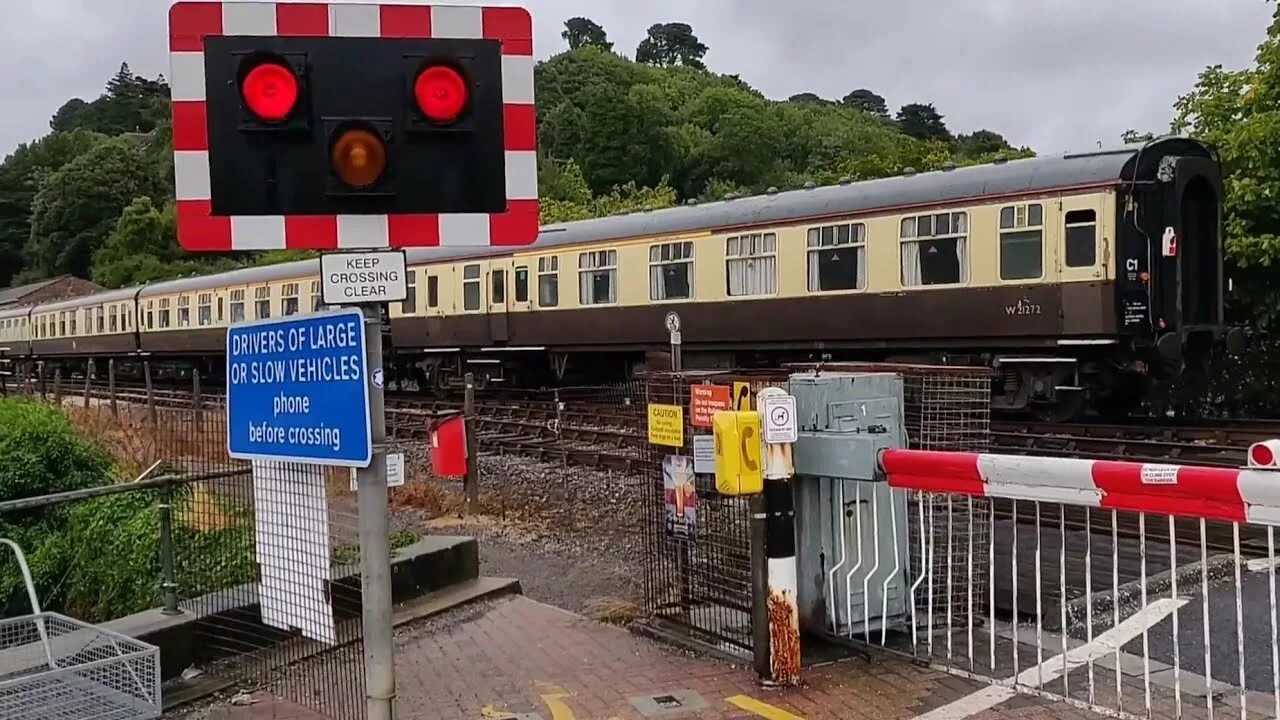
(375, 542)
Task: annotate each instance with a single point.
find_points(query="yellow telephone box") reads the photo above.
(738, 465)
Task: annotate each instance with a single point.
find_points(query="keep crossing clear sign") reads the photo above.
(298, 391)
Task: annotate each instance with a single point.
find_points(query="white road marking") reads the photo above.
(1053, 668)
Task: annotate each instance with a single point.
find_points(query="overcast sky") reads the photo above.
(1051, 74)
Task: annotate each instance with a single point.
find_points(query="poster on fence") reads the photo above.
(680, 496)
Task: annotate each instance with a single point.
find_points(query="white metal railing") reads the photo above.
(1133, 590)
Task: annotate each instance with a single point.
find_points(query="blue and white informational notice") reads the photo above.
(298, 390)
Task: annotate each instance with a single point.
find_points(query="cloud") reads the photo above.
(1052, 74)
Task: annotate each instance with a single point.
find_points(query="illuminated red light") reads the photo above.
(441, 93)
(270, 91)
(1262, 455)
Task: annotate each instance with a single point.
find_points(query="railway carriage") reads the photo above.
(1078, 277)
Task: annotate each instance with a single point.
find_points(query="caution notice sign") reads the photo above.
(666, 425)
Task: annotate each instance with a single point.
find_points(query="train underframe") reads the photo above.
(1047, 386)
(1050, 387)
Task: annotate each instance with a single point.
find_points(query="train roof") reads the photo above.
(94, 299)
(1015, 177)
(1097, 168)
(244, 276)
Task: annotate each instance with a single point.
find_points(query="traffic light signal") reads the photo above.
(352, 125)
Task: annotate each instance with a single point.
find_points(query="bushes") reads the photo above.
(41, 452)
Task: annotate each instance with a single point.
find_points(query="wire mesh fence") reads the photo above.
(260, 559)
(698, 568)
(698, 542)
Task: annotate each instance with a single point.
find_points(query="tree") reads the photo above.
(808, 97)
(77, 206)
(1133, 136)
(20, 176)
(922, 121)
(131, 103)
(671, 44)
(868, 102)
(68, 117)
(583, 32)
(980, 142)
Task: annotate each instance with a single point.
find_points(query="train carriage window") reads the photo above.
(184, 311)
(598, 277)
(410, 304)
(499, 295)
(262, 302)
(751, 265)
(1082, 238)
(164, 313)
(837, 258)
(317, 299)
(237, 306)
(149, 321)
(1022, 242)
(100, 313)
(113, 319)
(204, 309)
(522, 284)
(289, 299)
(73, 324)
(671, 271)
(433, 291)
(549, 281)
(934, 249)
(471, 287)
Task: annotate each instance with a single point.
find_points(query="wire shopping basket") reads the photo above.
(53, 667)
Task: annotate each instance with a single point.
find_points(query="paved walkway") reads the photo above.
(517, 659)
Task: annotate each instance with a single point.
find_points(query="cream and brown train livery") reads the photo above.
(1076, 276)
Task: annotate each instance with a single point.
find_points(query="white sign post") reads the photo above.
(363, 277)
(780, 419)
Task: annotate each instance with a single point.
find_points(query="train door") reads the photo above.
(520, 284)
(499, 270)
(1082, 251)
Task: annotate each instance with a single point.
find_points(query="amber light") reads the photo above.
(441, 93)
(270, 91)
(358, 157)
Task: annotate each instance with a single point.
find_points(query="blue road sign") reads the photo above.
(298, 390)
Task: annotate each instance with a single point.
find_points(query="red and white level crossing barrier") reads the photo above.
(1250, 494)
(191, 22)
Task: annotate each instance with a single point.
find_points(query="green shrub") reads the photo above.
(41, 452)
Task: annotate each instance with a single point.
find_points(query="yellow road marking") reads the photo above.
(555, 703)
(489, 712)
(764, 710)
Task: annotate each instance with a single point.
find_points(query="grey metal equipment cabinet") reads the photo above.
(851, 529)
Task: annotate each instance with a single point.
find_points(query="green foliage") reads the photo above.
(41, 452)
(131, 104)
(583, 32)
(20, 176)
(868, 102)
(668, 44)
(77, 206)
(143, 248)
(923, 122)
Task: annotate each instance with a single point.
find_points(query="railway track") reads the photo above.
(604, 436)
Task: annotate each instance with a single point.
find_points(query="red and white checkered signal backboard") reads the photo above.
(199, 229)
